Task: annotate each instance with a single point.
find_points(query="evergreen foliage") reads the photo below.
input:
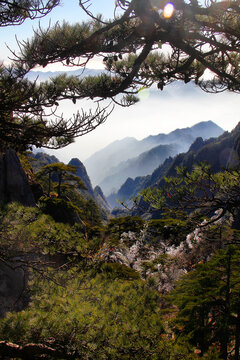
(28, 230)
(62, 173)
(200, 38)
(16, 12)
(145, 28)
(80, 306)
(172, 229)
(124, 224)
(200, 192)
(209, 305)
(90, 318)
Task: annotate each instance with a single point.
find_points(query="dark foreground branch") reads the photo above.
(30, 351)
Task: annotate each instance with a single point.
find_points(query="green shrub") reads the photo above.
(91, 318)
(119, 271)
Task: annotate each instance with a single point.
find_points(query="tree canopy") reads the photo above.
(213, 195)
(62, 174)
(17, 11)
(146, 42)
(200, 38)
(208, 303)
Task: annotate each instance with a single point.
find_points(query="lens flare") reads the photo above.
(143, 94)
(168, 10)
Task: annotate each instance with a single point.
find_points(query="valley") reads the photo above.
(120, 180)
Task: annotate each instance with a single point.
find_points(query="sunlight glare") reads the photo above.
(168, 10)
(144, 94)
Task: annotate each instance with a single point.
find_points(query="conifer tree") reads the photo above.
(201, 192)
(209, 305)
(62, 174)
(199, 38)
(17, 11)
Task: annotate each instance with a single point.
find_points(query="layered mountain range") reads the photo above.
(131, 158)
(202, 141)
(221, 152)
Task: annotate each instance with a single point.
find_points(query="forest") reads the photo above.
(77, 282)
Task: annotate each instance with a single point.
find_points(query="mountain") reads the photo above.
(101, 199)
(111, 166)
(204, 129)
(99, 165)
(14, 184)
(131, 187)
(82, 173)
(221, 152)
(41, 159)
(143, 164)
(46, 75)
(96, 194)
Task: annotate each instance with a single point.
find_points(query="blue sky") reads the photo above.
(158, 112)
(69, 10)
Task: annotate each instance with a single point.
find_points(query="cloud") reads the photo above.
(177, 106)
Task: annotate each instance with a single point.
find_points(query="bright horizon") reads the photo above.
(177, 106)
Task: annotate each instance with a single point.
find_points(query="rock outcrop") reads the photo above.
(82, 173)
(14, 184)
(100, 198)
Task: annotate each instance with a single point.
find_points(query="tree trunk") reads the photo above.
(31, 351)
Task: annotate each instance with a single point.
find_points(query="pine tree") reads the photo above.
(199, 37)
(201, 192)
(208, 304)
(60, 173)
(16, 12)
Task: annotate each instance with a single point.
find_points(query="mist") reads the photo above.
(177, 106)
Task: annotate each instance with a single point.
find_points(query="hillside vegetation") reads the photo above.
(85, 286)
(77, 282)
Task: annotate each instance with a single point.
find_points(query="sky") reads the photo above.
(177, 106)
(68, 10)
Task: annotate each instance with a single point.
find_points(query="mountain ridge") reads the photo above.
(109, 161)
(221, 152)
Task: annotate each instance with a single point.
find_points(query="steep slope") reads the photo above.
(101, 199)
(144, 164)
(82, 173)
(96, 194)
(42, 159)
(14, 184)
(221, 152)
(234, 158)
(110, 160)
(99, 165)
(131, 187)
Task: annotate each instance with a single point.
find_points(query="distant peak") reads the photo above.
(197, 144)
(75, 161)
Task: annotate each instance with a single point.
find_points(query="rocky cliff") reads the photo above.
(82, 173)
(14, 184)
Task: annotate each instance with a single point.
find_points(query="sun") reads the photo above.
(168, 10)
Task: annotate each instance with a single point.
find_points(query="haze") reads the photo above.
(177, 106)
